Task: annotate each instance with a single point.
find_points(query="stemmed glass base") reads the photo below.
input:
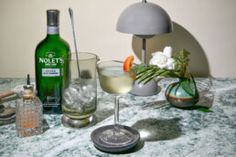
(115, 138)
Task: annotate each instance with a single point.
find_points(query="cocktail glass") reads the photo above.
(116, 137)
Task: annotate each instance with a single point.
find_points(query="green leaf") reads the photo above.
(204, 109)
(145, 73)
(188, 86)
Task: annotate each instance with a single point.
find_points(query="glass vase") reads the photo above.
(182, 94)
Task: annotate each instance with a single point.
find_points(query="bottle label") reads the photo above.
(52, 30)
(51, 60)
(51, 65)
(50, 72)
(52, 101)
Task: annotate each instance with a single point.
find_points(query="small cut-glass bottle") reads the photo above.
(29, 113)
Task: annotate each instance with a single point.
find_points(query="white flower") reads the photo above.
(163, 59)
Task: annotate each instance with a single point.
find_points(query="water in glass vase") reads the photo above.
(115, 80)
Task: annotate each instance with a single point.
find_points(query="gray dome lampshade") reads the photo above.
(144, 19)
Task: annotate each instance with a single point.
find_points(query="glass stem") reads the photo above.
(116, 116)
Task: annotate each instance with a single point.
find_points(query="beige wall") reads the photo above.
(207, 28)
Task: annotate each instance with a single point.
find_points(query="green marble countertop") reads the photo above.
(166, 131)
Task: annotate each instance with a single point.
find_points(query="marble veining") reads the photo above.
(166, 131)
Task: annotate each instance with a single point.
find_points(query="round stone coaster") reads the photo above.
(107, 138)
(7, 113)
(1, 108)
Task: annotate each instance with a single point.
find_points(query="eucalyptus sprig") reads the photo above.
(181, 63)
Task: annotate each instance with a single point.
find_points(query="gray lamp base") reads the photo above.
(148, 89)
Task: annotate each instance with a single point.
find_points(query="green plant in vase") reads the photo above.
(184, 93)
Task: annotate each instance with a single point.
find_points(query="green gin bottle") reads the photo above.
(52, 58)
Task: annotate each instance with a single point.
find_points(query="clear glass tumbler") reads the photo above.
(80, 98)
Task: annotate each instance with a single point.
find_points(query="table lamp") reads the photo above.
(144, 20)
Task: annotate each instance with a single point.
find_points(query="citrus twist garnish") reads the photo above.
(128, 63)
